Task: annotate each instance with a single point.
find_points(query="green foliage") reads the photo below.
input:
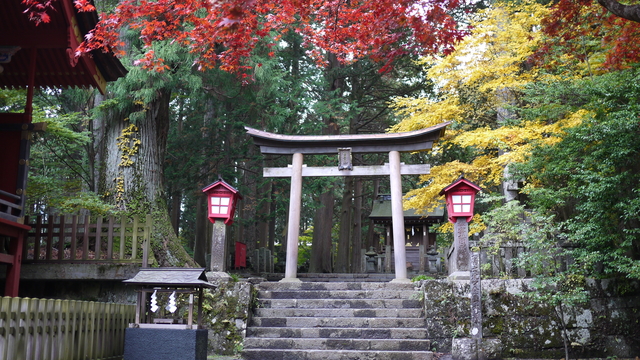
(557, 282)
(59, 176)
(421, 277)
(12, 100)
(304, 247)
(590, 180)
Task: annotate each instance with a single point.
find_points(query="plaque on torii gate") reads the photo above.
(344, 146)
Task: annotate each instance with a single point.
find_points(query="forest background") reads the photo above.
(543, 98)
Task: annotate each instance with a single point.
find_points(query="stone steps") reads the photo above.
(340, 303)
(336, 277)
(339, 344)
(337, 320)
(338, 332)
(315, 285)
(349, 312)
(339, 294)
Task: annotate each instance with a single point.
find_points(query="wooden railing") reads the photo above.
(81, 239)
(10, 209)
(39, 329)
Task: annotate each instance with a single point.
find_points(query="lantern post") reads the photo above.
(460, 197)
(221, 206)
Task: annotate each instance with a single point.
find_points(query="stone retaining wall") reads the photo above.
(608, 325)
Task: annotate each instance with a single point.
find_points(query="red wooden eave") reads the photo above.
(54, 44)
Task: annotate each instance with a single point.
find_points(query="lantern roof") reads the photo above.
(458, 182)
(171, 277)
(224, 184)
(52, 45)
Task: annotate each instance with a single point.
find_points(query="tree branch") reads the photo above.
(629, 12)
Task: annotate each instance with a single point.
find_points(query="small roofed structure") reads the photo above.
(419, 242)
(158, 281)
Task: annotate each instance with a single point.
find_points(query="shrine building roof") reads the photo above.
(54, 43)
(381, 213)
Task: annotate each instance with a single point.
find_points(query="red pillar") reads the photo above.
(17, 233)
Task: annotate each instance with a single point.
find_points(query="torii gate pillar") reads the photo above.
(397, 217)
(293, 226)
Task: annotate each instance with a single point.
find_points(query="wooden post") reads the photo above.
(190, 318)
(293, 232)
(397, 218)
(200, 295)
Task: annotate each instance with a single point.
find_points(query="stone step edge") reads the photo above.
(340, 292)
(345, 309)
(339, 318)
(338, 344)
(262, 339)
(335, 283)
(334, 328)
(331, 354)
(337, 299)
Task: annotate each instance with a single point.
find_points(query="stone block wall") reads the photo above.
(226, 314)
(608, 325)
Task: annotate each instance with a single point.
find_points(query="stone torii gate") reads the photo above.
(344, 146)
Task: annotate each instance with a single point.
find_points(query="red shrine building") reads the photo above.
(37, 56)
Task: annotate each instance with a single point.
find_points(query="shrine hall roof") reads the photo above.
(54, 44)
(410, 141)
(381, 213)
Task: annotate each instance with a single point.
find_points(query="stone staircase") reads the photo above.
(329, 318)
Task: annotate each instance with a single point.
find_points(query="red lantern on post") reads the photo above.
(222, 199)
(460, 196)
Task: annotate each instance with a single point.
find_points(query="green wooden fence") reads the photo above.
(43, 329)
(85, 239)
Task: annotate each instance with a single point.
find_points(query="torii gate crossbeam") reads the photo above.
(298, 145)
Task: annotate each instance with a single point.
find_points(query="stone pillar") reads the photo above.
(293, 231)
(397, 217)
(476, 295)
(459, 266)
(218, 247)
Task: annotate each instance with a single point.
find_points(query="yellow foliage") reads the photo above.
(488, 61)
(424, 113)
(503, 39)
(476, 225)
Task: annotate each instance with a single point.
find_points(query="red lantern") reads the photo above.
(222, 199)
(460, 196)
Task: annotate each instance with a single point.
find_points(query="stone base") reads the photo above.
(476, 349)
(290, 280)
(217, 276)
(165, 344)
(460, 275)
(401, 281)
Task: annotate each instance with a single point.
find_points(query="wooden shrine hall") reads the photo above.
(344, 146)
(37, 56)
(419, 242)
